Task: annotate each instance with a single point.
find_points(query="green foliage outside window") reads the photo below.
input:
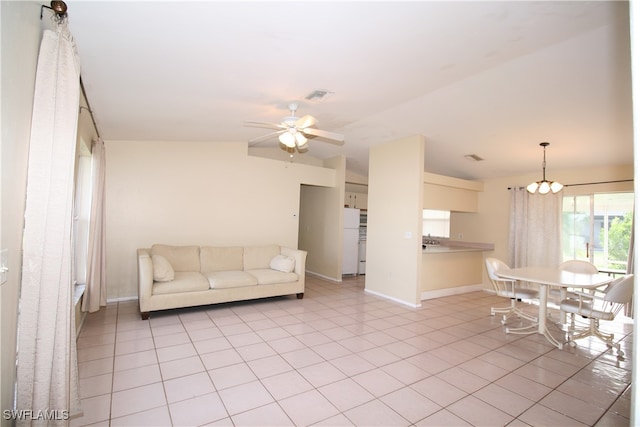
(619, 239)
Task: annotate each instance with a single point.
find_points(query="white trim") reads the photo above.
(378, 294)
(122, 299)
(83, 316)
(322, 276)
(78, 291)
(451, 291)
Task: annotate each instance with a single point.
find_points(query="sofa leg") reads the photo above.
(300, 295)
(144, 315)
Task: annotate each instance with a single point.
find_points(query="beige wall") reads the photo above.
(450, 271)
(394, 223)
(196, 193)
(21, 34)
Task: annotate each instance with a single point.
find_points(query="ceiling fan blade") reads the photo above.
(305, 122)
(254, 141)
(324, 134)
(265, 124)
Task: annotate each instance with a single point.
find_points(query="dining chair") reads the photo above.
(603, 304)
(573, 266)
(578, 266)
(508, 288)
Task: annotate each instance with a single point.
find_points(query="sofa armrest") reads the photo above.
(145, 278)
(299, 256)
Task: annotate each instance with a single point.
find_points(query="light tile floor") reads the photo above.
(343, 357)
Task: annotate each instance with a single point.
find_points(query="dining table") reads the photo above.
(546, 277)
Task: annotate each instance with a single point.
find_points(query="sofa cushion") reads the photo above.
(259, 256)
(267, 276)
(230, 279)
(181, 258)
(162, 270)
(282, 263)
(220, 258)
(184, 282)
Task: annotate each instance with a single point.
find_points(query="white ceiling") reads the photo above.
(487, 78)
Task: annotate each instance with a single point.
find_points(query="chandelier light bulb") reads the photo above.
(555, 187)
(544, 187)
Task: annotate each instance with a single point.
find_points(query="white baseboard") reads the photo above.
(322, 276)
(378, 294)
(451, 291)
(122, 299)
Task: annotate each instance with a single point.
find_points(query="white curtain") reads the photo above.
(47, 364)
(95, 293)
(535, 230)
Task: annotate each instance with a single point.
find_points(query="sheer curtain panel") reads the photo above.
(47, 364)
(535, 231)
(95, 293)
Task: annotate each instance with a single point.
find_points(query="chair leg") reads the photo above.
(592, 330)
(512, 310)
(505, 311)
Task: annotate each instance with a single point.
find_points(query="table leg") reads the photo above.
(542, 308)
(542, 316)
(542, 320)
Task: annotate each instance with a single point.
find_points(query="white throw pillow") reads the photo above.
(162, 269)
(282, 263)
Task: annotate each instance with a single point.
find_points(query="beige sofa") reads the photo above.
(185, 276)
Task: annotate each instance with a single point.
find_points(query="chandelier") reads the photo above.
(544, 186)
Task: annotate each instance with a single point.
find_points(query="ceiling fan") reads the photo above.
(293, 132)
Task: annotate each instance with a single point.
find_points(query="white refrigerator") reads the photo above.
(350, 241)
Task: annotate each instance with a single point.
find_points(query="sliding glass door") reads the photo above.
(597, 228)
(576, 227)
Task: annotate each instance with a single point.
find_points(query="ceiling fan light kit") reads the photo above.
(292, 138)
(544, 186)
(300, 139)
(293, 131)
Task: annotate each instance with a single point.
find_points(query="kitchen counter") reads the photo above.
(441, 249)
(447, 246)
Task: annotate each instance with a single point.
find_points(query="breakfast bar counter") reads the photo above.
(450, 268)
(441, 249)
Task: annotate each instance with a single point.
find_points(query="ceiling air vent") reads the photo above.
(318, 95)
(473, 158)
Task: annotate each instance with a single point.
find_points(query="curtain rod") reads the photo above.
(93, 120)
(587, 183)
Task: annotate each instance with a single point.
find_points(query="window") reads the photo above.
(597, 228)
(82, 212)
(435, 223)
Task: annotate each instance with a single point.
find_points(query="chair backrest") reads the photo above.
(493, 265)
(620, 291)
(500, 285)
(579, 266)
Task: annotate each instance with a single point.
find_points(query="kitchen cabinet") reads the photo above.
(355, 200)
(450, 194)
